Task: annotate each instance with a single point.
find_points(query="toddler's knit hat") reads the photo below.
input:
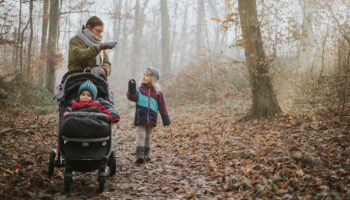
(155, 72)
(89, 86)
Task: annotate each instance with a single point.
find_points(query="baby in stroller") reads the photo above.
(85, 127)
(87, 97)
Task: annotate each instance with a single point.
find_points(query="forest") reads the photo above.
(253, 99)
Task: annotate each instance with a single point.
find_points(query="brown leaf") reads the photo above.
(299, 172)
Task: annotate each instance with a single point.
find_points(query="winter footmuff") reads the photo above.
(85, 125)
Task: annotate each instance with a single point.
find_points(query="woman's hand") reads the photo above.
(98, 71)
(106, 45)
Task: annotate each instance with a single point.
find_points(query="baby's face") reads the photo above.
(85, 96)
(147, 78)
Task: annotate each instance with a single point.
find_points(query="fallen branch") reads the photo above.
(23, 128)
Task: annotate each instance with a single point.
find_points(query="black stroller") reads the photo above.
(85, 135)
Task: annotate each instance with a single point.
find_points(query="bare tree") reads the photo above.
(200, 24)
(323, 51)
(21, 47)
(45, 26)
(346, 35)
(165, 36)
(265, 102)
(43, 47)
(136, 39)
(29, 52)
(117, 26)
(138, 28)
(307, 51)
(18, 33)
(52, 44)
(124, 39)
(6, 23)
(182, 44)
(217, 28)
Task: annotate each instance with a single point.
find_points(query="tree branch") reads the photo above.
(343, 32)
(69, 12)
(23, 128)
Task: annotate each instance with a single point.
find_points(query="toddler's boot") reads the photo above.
(140, 155)
(147, 154)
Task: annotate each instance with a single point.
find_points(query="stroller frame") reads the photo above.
(59, 158)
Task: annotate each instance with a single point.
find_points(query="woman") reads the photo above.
(87, 51)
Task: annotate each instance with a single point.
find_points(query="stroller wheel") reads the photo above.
(67, 186)
(101, 186)
(101, 179)
(67, 179)
(112, 163)
(51, 163)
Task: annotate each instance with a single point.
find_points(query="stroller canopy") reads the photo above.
(71, 82)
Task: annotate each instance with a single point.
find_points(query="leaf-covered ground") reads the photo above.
(203, 155)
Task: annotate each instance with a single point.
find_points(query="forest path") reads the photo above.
(202, 155)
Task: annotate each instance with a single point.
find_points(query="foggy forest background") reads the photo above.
(258, 93)
(304, 40)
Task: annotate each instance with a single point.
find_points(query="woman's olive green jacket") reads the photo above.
(82, 56)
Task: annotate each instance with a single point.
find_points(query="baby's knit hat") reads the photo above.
(89, 86)
(155, 72)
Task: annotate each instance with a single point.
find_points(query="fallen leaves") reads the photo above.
(282, 158)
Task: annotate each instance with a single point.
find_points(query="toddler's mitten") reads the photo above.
(132, 86)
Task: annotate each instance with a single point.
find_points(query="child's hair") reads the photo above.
(155, 78)
(156, 85)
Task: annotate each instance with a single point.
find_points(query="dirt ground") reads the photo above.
(204, 154)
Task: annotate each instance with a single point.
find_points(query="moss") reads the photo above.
(19, 95)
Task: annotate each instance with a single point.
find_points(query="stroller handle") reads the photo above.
(89, 70)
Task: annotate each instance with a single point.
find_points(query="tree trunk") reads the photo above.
(116, 34)
(165, 36)
(307, 50)
(43, 52)
(29, 53)
(200, 20)
(138, 28)
(265, 102)
(345, 84)
(323, 49)
(136, 40)
(18, 35)
(182, 44)
(173, 35)
(22, 69)
(215, 13)
(117, 26)
(123, 44)
(45, 26)
(15, 49)
(52, 44)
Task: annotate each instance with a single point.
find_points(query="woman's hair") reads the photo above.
(92, 22)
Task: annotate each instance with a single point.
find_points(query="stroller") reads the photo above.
(85, 135)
